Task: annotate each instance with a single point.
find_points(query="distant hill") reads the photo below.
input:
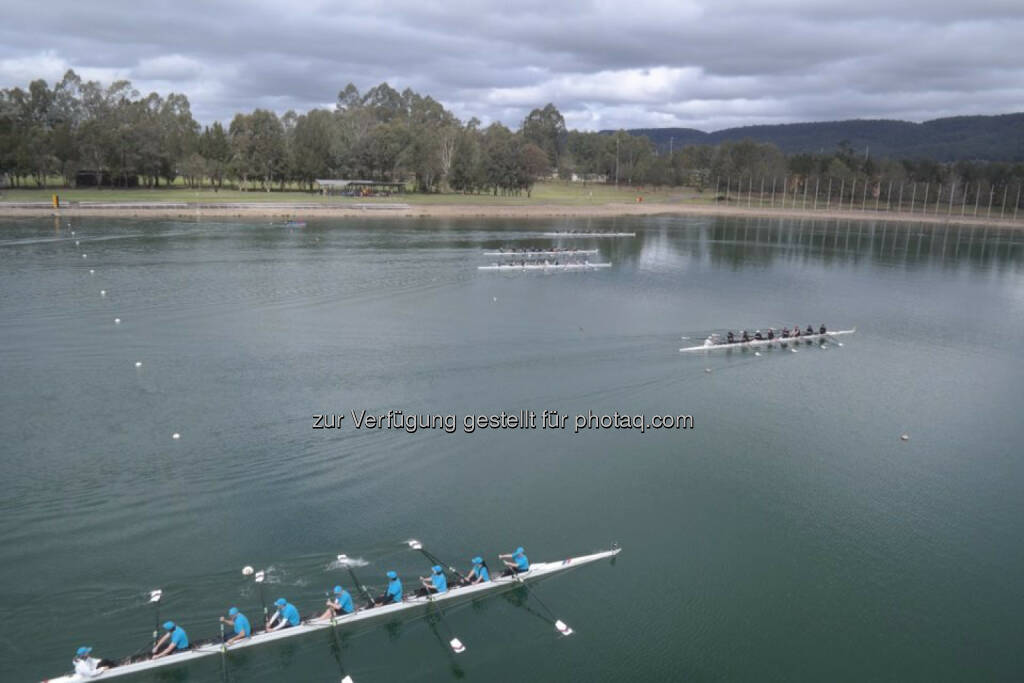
(989, 138)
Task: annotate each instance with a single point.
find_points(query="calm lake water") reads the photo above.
(791, 535)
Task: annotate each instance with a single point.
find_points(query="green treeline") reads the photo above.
(81, 130)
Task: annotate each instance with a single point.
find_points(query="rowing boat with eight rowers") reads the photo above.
(586, 265)
(526, 253)
(715, 342)
(285, 624)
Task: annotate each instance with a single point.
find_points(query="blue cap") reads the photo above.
(337, 589)
(519, 550)
(437, 569)
(280, 602)
(169, 625)
(477, 560)
(233, 611)
(392, 575)
(82, 651)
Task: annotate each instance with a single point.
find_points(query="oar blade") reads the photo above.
(347, 679)
(563, 628)
(457, 646)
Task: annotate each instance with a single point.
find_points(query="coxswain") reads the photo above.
(88, 667)
(821, 330)
(479, 573)
(730, 338)
(176, 639)
(239, 622)
(285, 616)
(519, 563)
(393, 594)
(771, 333)
(436, 583)
(810, 330)
(339, 604)
(757, 335)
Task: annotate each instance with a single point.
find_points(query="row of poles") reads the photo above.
(931, 199)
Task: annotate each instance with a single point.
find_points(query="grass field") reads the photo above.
(543, 193)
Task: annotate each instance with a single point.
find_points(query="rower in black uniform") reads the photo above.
(730, 338)
(757, 335)
(771, 333)
(746, 336)
(810, 330)
(821, 330)
(785, 333)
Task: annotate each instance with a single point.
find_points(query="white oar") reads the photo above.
(454, 643)
(560, 625)
(258, 577)
(154, 598)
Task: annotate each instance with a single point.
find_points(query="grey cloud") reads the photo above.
(714, 63)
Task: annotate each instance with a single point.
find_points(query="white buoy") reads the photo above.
(707, 369)
(103, 292)
(138, 363)
(92, 272)
(175, 436)
(85, 256)
(117, 321)
(904, 437)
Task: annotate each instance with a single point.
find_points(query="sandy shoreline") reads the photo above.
(537, 211)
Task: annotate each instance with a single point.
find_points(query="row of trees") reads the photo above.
(382, 134)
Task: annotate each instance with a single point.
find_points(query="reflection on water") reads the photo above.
(793, 501)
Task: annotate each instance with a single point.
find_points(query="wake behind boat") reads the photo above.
(589, 234)
(454, 595)
(715, 342)
(586, 265)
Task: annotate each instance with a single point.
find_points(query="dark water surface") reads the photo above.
(790, 536)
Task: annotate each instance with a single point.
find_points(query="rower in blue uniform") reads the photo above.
(87, 666)
(393, 595)
(339, 605)
(479, 573)
(240, 625)
(177, 637)
(436, 583)
(519, 562)
(285, 616)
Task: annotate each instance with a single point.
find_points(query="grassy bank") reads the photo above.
(543, 193)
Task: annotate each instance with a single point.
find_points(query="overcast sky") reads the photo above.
(708, 64)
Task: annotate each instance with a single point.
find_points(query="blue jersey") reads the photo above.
(440, 582)
(395, 590)
(521, 562)
(345, 600)
(481, 571)
(242, 626)
(179, 638)
(290, 614)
